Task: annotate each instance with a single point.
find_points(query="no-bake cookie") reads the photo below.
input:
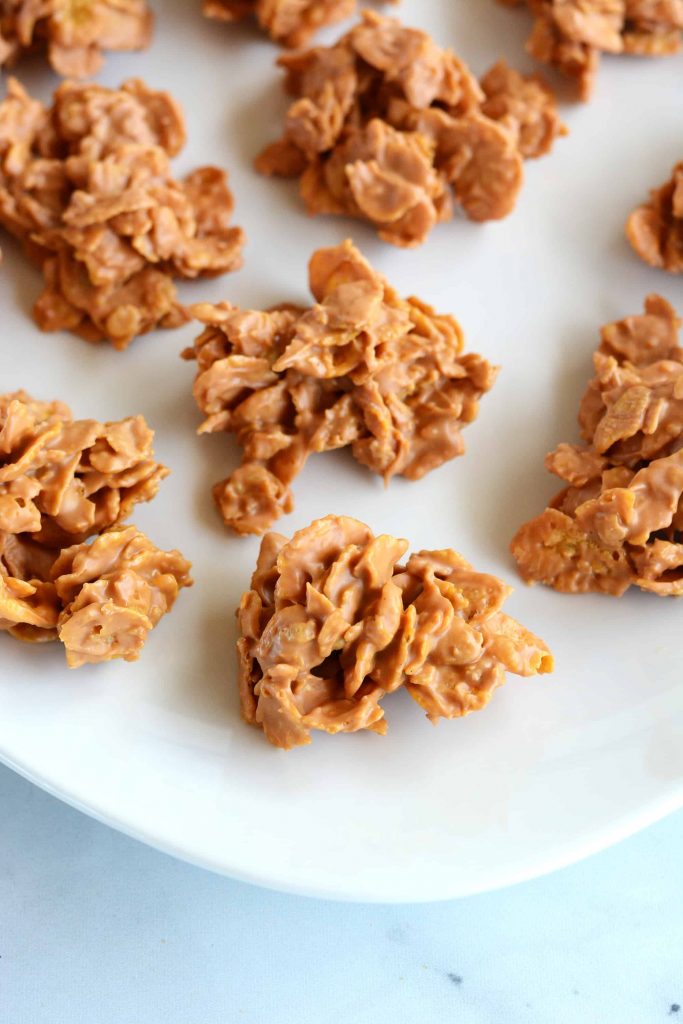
(655, 229)
(388, 127)
(618, 522)
(64, 482)
(570, 35)
(73, 32)
(86, 184)
(335, 620)
(362, 368)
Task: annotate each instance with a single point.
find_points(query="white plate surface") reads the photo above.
(555, 768)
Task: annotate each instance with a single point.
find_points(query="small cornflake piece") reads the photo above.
(362, 368)
(388, 127)
(334, 621)
(61, 482)
(655, 229)
(74, 32)
(619, 520)
(570, 35)
(87, 186)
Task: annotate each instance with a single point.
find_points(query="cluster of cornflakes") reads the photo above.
(618, 522)
(69, 569)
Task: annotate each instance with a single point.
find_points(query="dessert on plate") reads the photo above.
(336, 619)
(388, 127)
(70, 570)
(73, 32)
(86, 185)
(361, 368)
(570, 35)
(618, 521)
(288, 22)
(655, 229)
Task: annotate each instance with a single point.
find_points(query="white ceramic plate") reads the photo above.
(555, 768)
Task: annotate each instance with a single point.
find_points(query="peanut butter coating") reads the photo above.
(619, 520)
(86, 184)
(570, 35)
(63, 482)
(362, 368)
(74, 33)
(288, 22)
(335, 621)
(388, 127)
(655, 229)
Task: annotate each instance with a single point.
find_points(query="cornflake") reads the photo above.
(388, 127)
(362, 368)
(86, 185)
(74, 32)
(570, 35)
(288, 22)
(335, 621)
(655, 229)
(619, 520)
(63, 481)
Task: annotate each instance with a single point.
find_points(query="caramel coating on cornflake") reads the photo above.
(334, 621)
(362, 367)
(288, 22)
(389, 128)
(655, 229)
(74, 32)
(570, 35)
(61, 482)
(86, 185)
(619, 520)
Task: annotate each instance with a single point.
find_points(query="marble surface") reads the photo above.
(98, 929)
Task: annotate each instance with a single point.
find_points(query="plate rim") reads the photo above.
(586, 846)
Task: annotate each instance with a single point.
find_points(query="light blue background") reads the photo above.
(98, 929)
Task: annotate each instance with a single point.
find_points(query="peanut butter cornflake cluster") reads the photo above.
(655, 229)
(74, 32)
(388, 127)
(618, 521)
(362, 368)
(289, 22)
(335, 621)
(62, 482)
(570, 35)
(86, 185)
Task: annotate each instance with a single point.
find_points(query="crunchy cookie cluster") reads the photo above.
(63, 481)
(334, 621)
(570, 35)
(388, 127)
(655, 229)
(619, 520)
(288, 22)
(87, 186)
(74, 32)
(362, 368)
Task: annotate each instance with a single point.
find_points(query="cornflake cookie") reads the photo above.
(288, 22)
(74, 32)
(570, 35)
(655, 229)
(63, 481)
(618, 521)
(86, 185)
(362, 368)
(387, 127)
(335, 621)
